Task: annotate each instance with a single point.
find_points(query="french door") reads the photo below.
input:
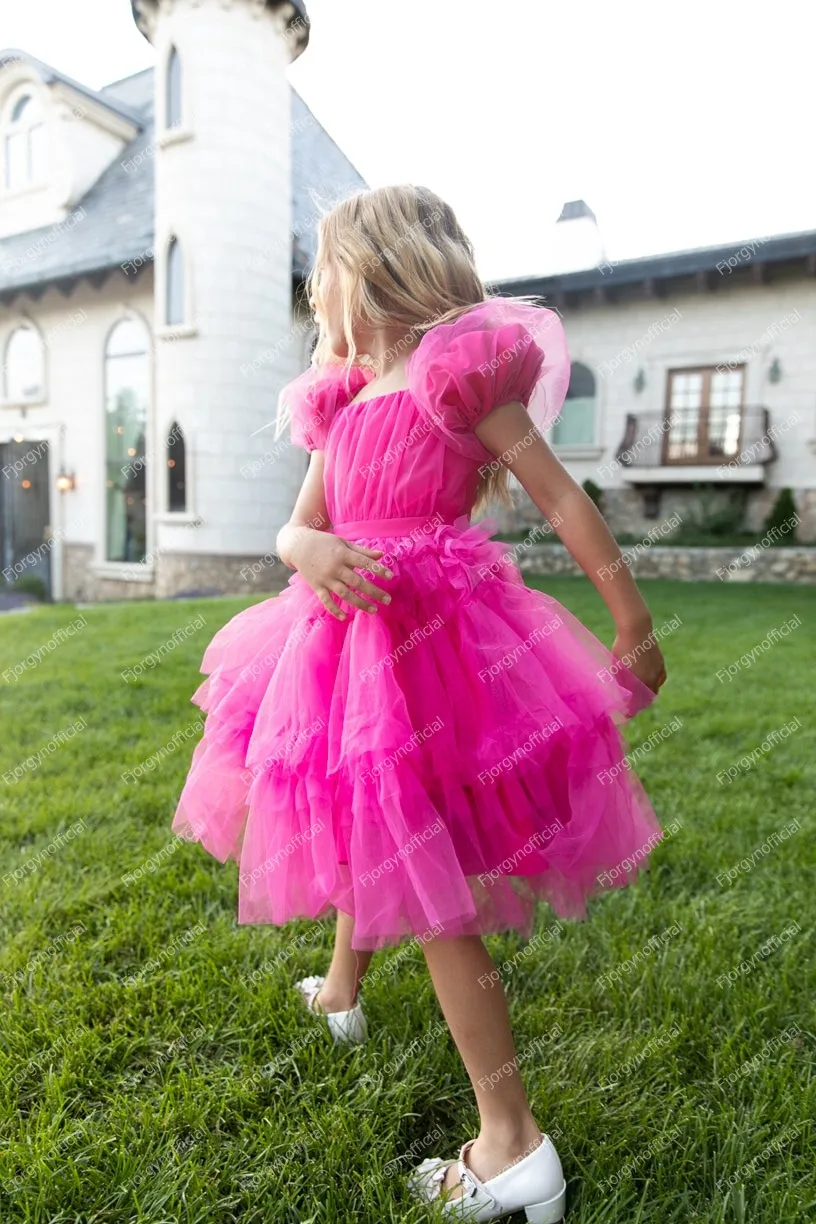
(703, 415)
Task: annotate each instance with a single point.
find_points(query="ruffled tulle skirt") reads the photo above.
(439, 765)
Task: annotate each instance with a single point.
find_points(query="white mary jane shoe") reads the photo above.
(346, 1027)
(535, 1185)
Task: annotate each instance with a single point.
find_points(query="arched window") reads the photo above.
(24, 366)
(576, 424)
(174, 298)
(23, 143)
(127, 393)
(176, 469)
(172, 114)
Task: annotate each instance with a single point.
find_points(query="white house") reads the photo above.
(154, 237)
(693, 377)
(154, 240)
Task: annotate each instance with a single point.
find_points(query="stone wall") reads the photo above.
(181, 573)
(81, 583)
(688, 564)
(173, 574)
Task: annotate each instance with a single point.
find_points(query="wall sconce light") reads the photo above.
(66, 481)
(640, 381)
(775, 371)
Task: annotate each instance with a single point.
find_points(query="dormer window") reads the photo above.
(172, 118)
(23, 143)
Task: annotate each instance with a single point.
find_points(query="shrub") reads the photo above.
(31, 585)
(782, 519)
(595, 492)
(714, 515)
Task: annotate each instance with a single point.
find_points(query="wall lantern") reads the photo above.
(66, 481)
(640, 380)
(775, 371)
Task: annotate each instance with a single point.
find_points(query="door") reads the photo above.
(25, 550)
(703, 415)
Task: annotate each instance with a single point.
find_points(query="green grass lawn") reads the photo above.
(155, 1064)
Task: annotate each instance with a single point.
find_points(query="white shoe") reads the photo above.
(347, 1027)
(535, 1184)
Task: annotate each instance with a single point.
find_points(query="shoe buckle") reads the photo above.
(468, 1181)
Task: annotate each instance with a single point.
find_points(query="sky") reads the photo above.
(681, 126)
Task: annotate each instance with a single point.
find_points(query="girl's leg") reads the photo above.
(346, 970)
(477, 1017)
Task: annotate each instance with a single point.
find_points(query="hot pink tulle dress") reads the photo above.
(439, 765)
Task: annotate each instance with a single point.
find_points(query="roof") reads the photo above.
(135, 90)
(321, 175)
(723, 260)
(49, 76)
(114, 221)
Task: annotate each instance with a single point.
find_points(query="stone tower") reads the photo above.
(223, 322)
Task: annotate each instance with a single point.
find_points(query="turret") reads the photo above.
(222, 156)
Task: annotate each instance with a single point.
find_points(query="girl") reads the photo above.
(409, 735)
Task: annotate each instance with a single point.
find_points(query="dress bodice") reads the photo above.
(413, 452)
(383, 461)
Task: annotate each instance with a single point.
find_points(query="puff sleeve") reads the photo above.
(500, 351)
(313, 399)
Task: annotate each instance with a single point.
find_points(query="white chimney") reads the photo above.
(575, 241)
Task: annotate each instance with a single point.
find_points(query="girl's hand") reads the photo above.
(330, 566)
(641, 654)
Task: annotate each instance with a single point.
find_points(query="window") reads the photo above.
(174, 298)
(24, 366)
(127, 391)
(23, 143)
(172, 113)
(703, 415)
(176, 469)
(576, 424)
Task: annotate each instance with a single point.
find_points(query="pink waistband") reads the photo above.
(385, 528)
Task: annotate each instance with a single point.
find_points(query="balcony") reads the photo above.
(691, 447)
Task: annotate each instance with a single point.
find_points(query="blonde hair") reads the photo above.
(402, 260)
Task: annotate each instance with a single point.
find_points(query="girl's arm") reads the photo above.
(330, 565)
(508, 433)
(310, 512)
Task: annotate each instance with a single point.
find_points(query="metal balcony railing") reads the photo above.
(693, 437)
